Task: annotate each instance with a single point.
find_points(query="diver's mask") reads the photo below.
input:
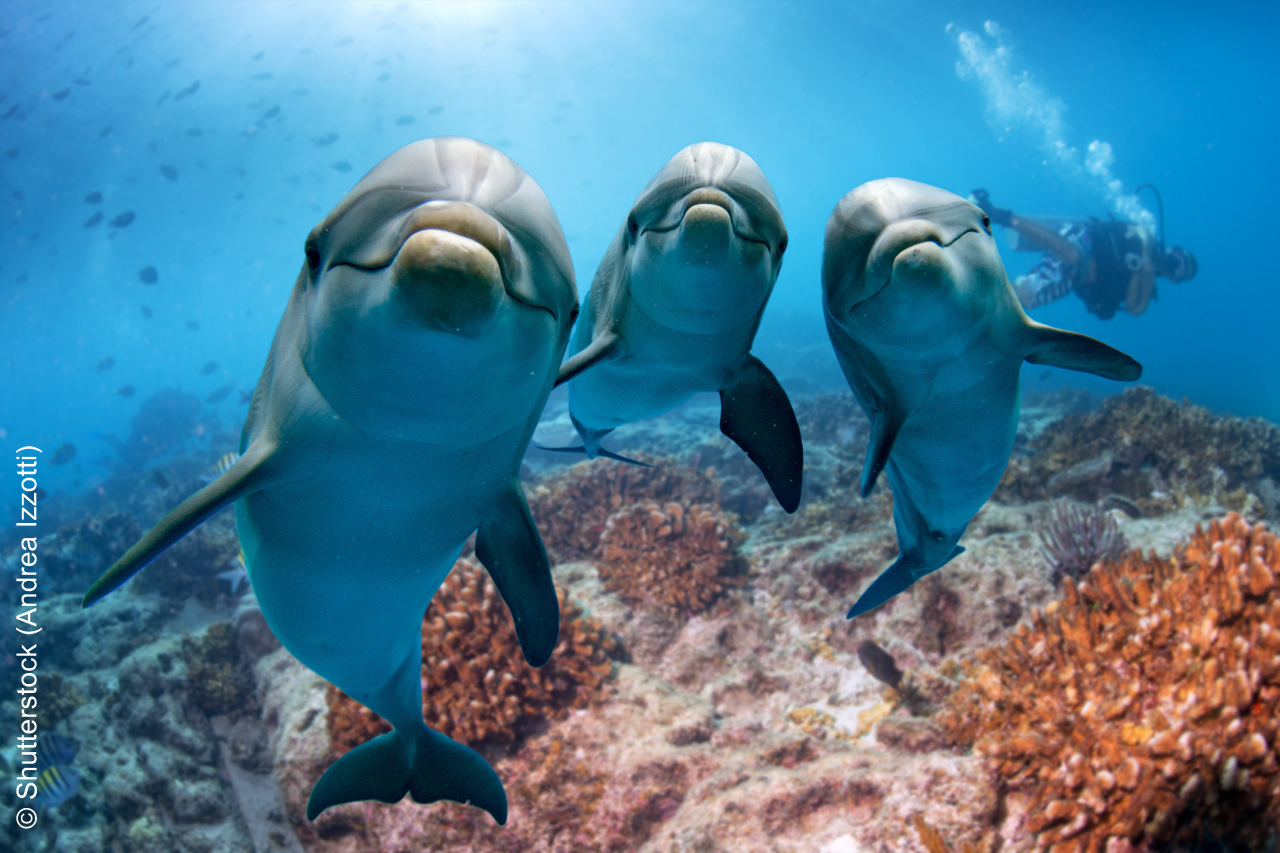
(1177, 264)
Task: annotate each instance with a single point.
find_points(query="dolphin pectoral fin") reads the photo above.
(242, 478)
(509, 547)
(609, 454)
(578, 449)
(596, 350)
(893, 580)
(885, 425)
(757, 415)
(379, 769)
(1073, 351)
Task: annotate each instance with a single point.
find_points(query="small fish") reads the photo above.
(238, 573)
(224, 463)
(61, 94)
(342, 166)
(93, 220)
(343, 42)
(140, 22)
(327, 139)
(879, 663)
(265, 75)
(245, 397)
(272, 113)
(193, 325)
(169, 172)
(164, 97)
(126, 391)
(148, 275)
(220, 394)
(405, 121)
(41, 494)
(13, 110)
(190, 90)
(104, 132)
(124, 220)
(211, 367)
(84, 554)
(193, 132)
(146, 312)
(436, 110)
(56, 785)
(17, 194)
(384, 76)
(161, 480)
(1045, 374)
(94, 197)
(54, 749)
(258, 55)
(105, 365)
(63, 454)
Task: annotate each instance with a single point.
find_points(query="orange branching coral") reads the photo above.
(682, 556)
(476, 683)
(1142, 707)
(570, 508)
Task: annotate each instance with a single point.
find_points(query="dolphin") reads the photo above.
(931, 337)
(674, 307)
(405, 380)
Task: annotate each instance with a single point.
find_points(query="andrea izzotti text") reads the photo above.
(26, 770)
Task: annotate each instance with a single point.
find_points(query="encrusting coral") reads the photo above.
(570, 508)
(476, 684)
(682, 556)
(1142, 707)
(1138, 443)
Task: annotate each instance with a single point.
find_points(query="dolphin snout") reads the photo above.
(707, 228)
(447, 281)
(899, 239)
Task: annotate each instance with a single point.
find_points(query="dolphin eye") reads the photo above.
(986, 224)
(632, 225)
(782, 246)
(573, 315)
(313, 257)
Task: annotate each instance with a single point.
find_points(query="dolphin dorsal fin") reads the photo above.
(596, 350)
(242, 478)
(1073, 351)
(885, 423)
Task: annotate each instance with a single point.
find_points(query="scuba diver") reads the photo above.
(1107, 263)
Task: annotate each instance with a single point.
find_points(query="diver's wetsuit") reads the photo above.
(1116, 252)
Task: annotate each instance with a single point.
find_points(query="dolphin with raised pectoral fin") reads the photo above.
(674, 308)
(405, 380)
(931, 337)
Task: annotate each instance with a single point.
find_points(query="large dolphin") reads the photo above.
(674, 308)
(931, 338)
(405, 380)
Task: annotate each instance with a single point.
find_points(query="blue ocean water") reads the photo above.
(296, 100)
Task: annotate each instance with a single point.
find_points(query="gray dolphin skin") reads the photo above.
(674, 307)
(931, 337)
(405, 380)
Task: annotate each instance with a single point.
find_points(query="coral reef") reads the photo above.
(680, 556)
(1149, 449)
(570, 507)
(217, 681)
(1073, 538)
(1142, 707)
(476, 684)
(191, 566)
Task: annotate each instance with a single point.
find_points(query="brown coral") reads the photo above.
(680, 556)
(217, 679)
(477, 686)
(1141, 708)
(570, 508)
(1139, 442)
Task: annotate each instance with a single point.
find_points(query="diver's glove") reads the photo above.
(998, 215)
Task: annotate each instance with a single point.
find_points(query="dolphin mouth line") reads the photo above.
(899, 253)
(707, 195)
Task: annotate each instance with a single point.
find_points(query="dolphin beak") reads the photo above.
(446, 281)
(707, 228)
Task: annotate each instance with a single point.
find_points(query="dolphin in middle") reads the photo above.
(674, 308)
(931, 338)
(415, 355)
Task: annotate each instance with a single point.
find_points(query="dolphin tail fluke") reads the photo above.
(379, 769)
(893, 580)
(1073, 351)
(609, 454)
(509, 547)
(757, 415)
(594, 351)
(242, 478)
(885, 425)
